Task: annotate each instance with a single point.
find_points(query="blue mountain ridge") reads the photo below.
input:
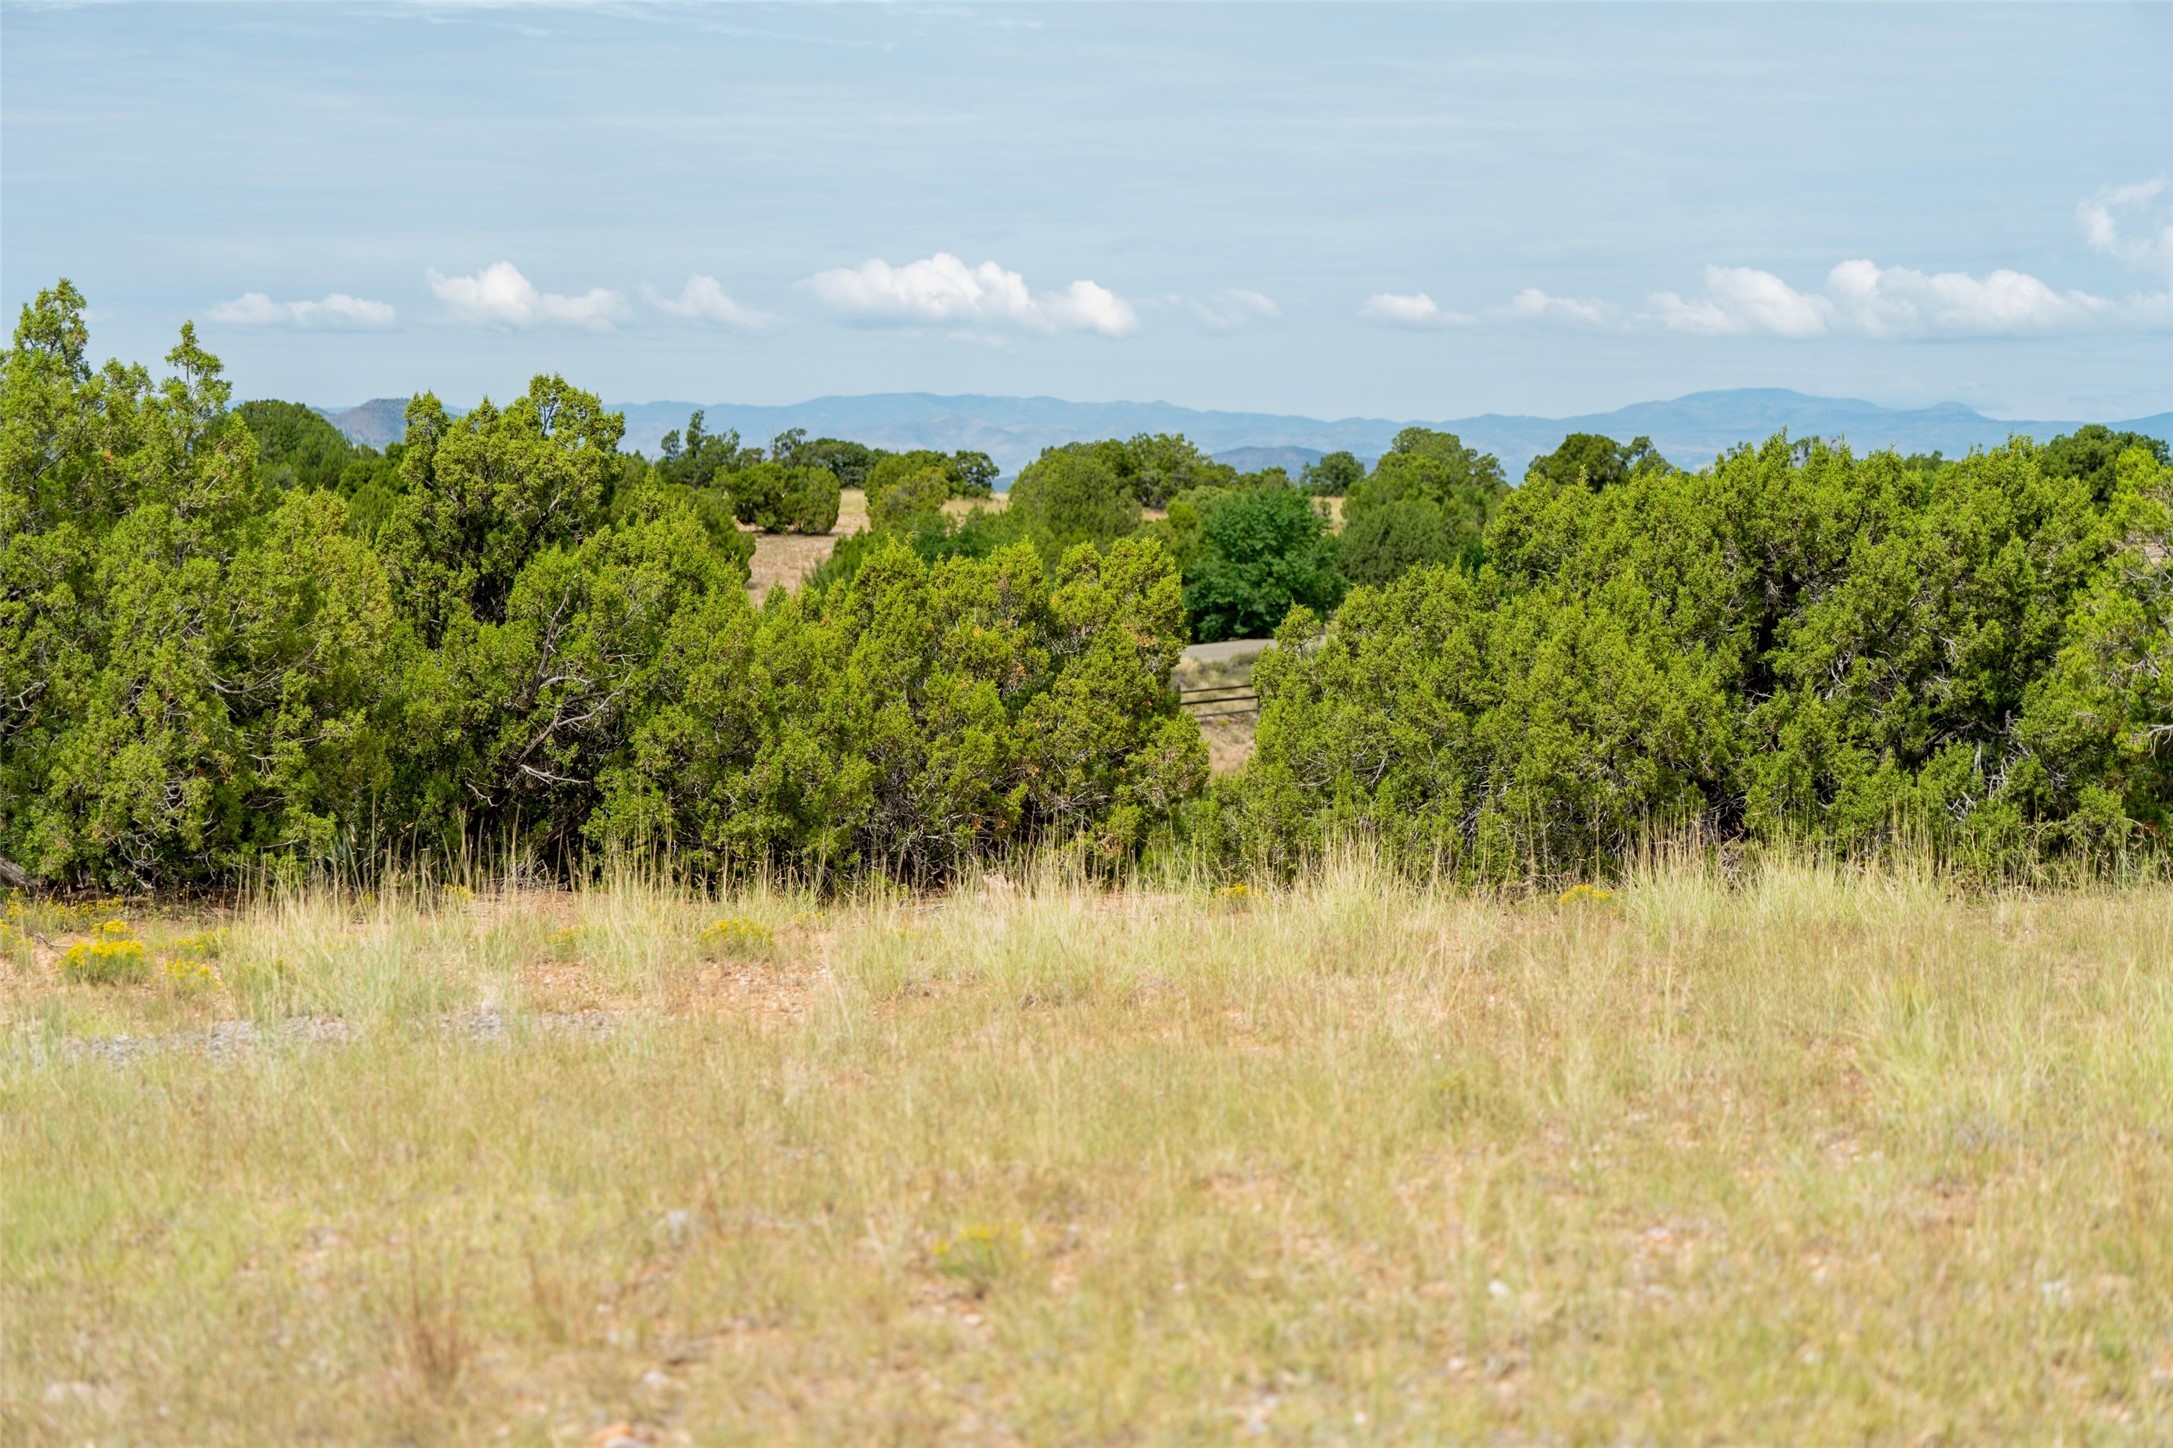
(1691, 430)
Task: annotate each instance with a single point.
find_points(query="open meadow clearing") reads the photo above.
(1812, 1156)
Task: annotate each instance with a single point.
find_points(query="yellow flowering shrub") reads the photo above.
(1233, 897)
(112, 955)
(737, 937)
(1584, 894)
(186, 973)
(980, 1255)
(204, 945)
(187, 963)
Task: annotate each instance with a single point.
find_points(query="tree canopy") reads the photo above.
(546, 647)
(1797, 644)
(231, 641)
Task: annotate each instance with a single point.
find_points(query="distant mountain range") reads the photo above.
(1690, 431)
(374, 423)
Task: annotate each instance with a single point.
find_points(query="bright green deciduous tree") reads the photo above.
(1595, 460)
(1333, 475)
(1262, 552)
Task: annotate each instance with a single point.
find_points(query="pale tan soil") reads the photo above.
(786, 559)
(1229, 742)
(1227, 732)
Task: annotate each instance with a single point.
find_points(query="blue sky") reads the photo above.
(1392, 211)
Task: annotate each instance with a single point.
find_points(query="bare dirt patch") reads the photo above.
(784, 560)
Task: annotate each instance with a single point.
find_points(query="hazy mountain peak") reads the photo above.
(1690, 430)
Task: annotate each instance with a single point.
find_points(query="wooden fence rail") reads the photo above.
(1219, 702)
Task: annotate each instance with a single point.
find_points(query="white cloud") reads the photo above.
(1864, 299)
(500, 296)
(704, 299)
(942, 288)
(1537, 305)
(1902, 302)
(339, 310)
(1089, 307)
(1413, 309)
(2105, 216)
(1235, 307)
(1743, 301)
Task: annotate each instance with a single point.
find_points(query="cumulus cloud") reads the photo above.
(500, 296)
(1534, 304)
(1411, 309)
(1862, 298)
(704, 299)
(2121, 221)
(339, 310)
(1742, 301)
(1235, 307)
(943, 289)
(1902, 302)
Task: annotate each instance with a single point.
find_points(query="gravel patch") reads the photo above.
(229, 1040)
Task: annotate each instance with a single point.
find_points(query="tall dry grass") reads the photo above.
(1809, 1155)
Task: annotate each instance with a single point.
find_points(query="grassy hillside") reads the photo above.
(1807, 1157)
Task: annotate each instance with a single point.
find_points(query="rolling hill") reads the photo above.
(1690, 430)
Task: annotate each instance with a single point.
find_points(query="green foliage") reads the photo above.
(313, 453)
(701, 459)
(2092, 454)
(1262, 552)
(848, 462)
(1333, 475)
(1796, 644)
(486, 492)
(1428, 500)
(1181, 528)
(505, 629)
(912, 718)
(890, 469)
(973, 474)
(969, 474)
(780, 498)
(1387, 538)
(931, 534)
(541, 643)
(1159, 466)
(187, 671)
(1071, 495)
(515, 721)
(1595, 461)
(909, 499)
(646, 494)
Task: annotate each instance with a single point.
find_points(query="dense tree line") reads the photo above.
(231, 639)
(214, 656)
(1795, 644)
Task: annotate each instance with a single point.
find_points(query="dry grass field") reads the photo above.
(1807, 1156)
(786, 559)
